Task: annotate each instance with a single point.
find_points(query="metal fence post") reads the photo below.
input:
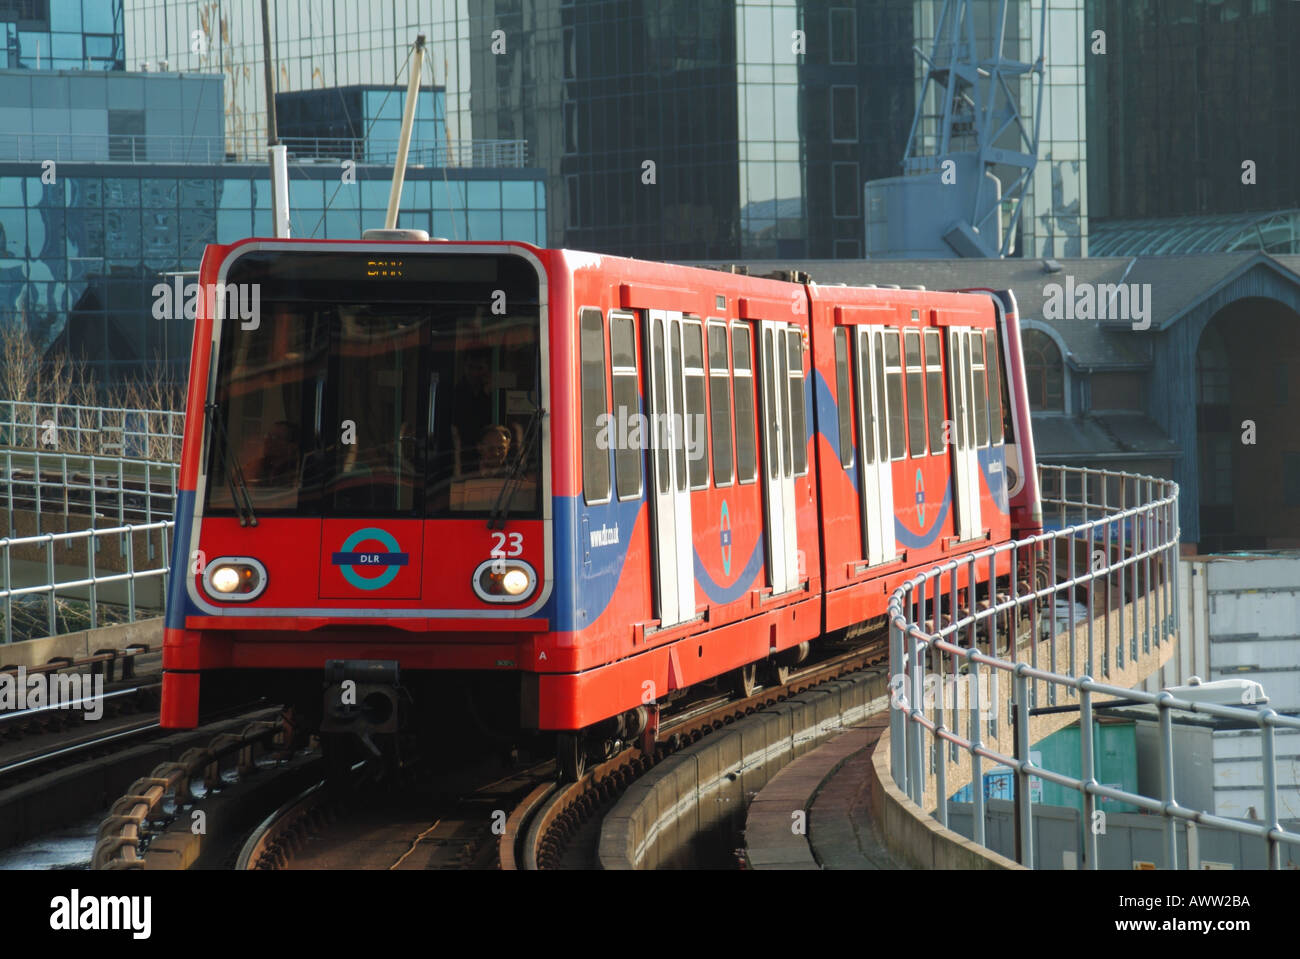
(1024, 798)
(1268, 757)
(1167, 778)
(129, 541)
(1088, 768)
(915, 731)
(9, 594)
(976, 761)
(90, 572)
(49, 562)
(897, 703)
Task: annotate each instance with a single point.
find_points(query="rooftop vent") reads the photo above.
(395, 235)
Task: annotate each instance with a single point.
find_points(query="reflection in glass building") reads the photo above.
(680, 128)
(61, 35)
(1188, 92)
(80, 257)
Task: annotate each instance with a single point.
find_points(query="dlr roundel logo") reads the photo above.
(354, 562)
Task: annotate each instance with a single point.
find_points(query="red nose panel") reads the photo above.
(371, 559)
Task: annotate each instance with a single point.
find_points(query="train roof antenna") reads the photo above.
(404, 140)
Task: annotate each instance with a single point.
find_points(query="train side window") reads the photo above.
(843, 396)
(995, 386)
(694, 426)
(915, 393)
(659, 386)
(770, 406)
(627, 405)
(678, 436)
(894, 389)
(720, 406)
(934, 387)
(870, 411)
(595, 405)
(798, 413)
(980, 387)
(882, 407)
(743, 380)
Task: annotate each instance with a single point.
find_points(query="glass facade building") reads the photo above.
(61, 35)
(369, 116)
(1188, 91)
(710, 129)
(79, 257)
(315, 43)
(762, 118)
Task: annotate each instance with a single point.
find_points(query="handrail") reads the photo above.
(157, 565)
(1129, 538)
(133, 434)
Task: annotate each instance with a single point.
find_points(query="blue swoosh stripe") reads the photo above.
(997, 482)
(744, 581)
(926, 537)
(179, 604)
(828, 413)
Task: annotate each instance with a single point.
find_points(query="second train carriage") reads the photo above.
(558, 488)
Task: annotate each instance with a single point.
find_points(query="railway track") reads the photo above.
(452, 824)
(481, 816)
(562, 827)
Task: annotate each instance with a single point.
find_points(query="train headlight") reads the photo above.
(238, 578)
(504, 580)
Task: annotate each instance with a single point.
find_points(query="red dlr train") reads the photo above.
(548, 490)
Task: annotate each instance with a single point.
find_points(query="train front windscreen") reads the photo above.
(394, 384)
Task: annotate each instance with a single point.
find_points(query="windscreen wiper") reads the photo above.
(234, 472)
(531, 432)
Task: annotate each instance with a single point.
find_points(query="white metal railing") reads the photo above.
(95, 486)
(153, 435)
(1126, 528)
(140, 148)
(124, 538)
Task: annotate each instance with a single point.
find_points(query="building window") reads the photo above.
(570, 128)
(843, 35)
(574, 211)
(1216, 471)
(1212, 374)
(844, 114)
(845, 187)
(1044, 372)
(1291, 479)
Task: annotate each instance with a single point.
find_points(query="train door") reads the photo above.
(778, 457)
(875, 471)
(965, 452)
(674, 564)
